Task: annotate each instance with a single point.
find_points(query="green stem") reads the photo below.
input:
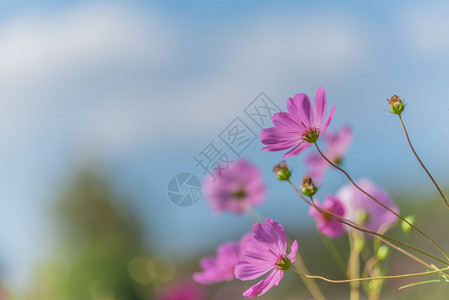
(372, 278)
(372, 268)
(299, 262)
(418, 283)
(308, 282)
(381, 204)
(354, 265)
(422, 164)
(385, 239)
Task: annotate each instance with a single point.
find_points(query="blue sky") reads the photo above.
(139, 88)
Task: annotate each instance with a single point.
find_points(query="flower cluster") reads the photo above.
(358, 210)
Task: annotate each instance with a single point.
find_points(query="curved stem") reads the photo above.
(308, 282)
(371, 278)
(385, 239)
(354, 264)
(371, 268)
(418, 283)
(370, 264)
(422, 164)
(381, 204)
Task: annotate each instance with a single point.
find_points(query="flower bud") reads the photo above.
(406, 227)
(362, 217)
(383, 252)
(308, 186)
(396, 104)
(281, 170)
(359, 244)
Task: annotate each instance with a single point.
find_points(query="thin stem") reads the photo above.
(381, 204)
(372, 268)
(422, 164)
(354, 265)
(310, 284)
(418, 283)
(370, 264)
(379, 236)
(371, 278)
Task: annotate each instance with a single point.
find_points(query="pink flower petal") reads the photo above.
(221, 267)
(261, 255)
(269, 234)
(263, 286)
(248, 271)
(281, 237)
(297, 150)
(274, 138)
(221, 186)
(301, 106)
(328, 120)
(320, 106)
(289, 122)
(329, 226)
(294, 249)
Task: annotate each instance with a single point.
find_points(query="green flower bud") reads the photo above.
(383, 252)
(406, 227)
(396, 104)
(359, 244)
(281, 170)
(374, 285)
(362, 217)
(308, 186)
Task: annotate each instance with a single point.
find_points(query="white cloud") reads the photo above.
(426, 30)
(57, 63)
(274, 48)
(46, 44)
(101, 68)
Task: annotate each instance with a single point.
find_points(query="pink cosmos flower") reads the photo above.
(362, 210)
(265, 252)
(183, 291)
(236, 188)
(221, 267)
(298, 128)
(328, 225)
(337, 145)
